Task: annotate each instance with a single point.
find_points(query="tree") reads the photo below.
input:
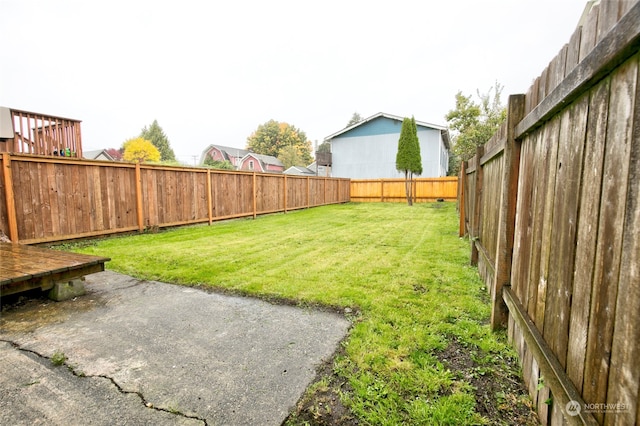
(324, 147)
(140, 150)
(473, 123)
(156, 135)
(408, 159)
(271, 137)
(290, 156)
(218, 164)
(355, 119)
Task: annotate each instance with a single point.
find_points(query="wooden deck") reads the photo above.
(24, 267)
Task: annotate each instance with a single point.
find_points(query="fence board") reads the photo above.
(573, 51)
(589, 33)
(522, 241)
(493, 172)
(471, 192)
(548, 163)
(624, 380)
(590, 193)
(608, 251)
(569, 170)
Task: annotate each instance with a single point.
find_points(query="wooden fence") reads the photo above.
(46, 199)
(552, 206)
(393, 190)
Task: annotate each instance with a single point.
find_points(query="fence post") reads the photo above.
(10, 200)
(254, 189)
(461, 199)
(507, 220)
(324, 193)
(209, 198)
(382, 190)
(139, 198)
(285, 193)
(477, 208)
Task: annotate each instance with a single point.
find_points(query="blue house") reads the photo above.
(367, 150)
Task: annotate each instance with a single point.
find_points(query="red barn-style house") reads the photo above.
(243, 159)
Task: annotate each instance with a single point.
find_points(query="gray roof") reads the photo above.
(226, 150)
(299, 170)
(266, 159)
(92, 155)
(444, 131)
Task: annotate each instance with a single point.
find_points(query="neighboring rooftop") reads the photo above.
(443, 129)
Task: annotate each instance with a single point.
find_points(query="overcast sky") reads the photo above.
(210, 72)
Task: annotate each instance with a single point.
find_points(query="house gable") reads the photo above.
(216, 154)
(368, 149)
(299, 171)
(377, 126)
(380, 124)
(223, 153)
(251, 163)
(260, 163)
(99, 154)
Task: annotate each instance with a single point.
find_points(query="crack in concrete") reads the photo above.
(81, 375)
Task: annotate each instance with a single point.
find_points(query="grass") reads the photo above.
(402, 271)
(58, 358)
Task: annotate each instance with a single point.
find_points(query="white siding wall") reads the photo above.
(374, 157)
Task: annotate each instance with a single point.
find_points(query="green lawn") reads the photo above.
(404, 274)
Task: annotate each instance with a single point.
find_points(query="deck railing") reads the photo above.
(40, 134)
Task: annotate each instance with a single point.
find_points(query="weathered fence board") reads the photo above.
(611, 225)
(624, 378)
(574, 293)
(567, 186)
(587, 224)
(53, 199)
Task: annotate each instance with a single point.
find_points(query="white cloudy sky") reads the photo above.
(211, 71)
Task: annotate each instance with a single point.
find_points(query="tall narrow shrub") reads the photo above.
(408, 159)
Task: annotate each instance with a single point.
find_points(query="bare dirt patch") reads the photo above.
(499, 392)
(321, 404)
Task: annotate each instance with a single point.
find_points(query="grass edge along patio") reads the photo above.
(420, 350)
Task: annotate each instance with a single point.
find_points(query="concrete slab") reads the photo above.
(143, 352)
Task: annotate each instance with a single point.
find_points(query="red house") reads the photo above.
(223, 153)
(260, 163)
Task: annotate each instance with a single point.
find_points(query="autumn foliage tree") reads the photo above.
(408, 158)
(140, 150)
(290, 156)
(272, 137)
(157, 137)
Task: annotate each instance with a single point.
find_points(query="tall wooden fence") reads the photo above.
(552, 205)
(393, 190)
(45, 199)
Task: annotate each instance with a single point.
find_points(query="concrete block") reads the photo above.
(67, 290)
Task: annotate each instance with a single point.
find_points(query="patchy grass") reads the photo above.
(420, 350)
(58, 358)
